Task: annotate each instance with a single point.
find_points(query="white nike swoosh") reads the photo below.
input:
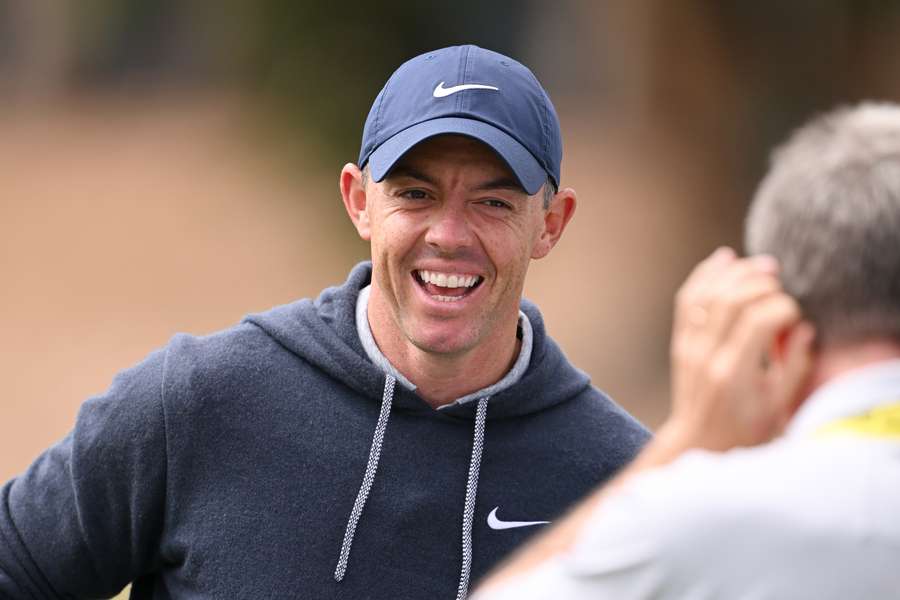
(495, 523)
(440, 91)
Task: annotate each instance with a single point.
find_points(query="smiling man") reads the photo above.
(394, 438)
(452, 234)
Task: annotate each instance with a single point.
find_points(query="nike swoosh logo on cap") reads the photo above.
(440, 91)
(495, 523)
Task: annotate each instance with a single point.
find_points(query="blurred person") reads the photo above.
(717, 506)
(392, 438)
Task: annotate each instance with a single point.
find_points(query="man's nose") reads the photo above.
(449, 230)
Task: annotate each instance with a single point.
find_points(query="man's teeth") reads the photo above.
(448, 280)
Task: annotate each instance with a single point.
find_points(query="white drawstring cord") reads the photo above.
(471, 491)
(368, 478)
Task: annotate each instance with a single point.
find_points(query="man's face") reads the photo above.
(452, 233)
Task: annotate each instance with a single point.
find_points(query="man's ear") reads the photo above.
(562, 207)
(353, 193)
(780, 351)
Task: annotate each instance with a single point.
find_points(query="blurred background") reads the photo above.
(171, 165)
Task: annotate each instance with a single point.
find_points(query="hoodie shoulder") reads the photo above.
(568, 402)
(303, 340)
(220, 361)
(316, 331)
(622, 435)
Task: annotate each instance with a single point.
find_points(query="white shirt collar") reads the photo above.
(852, 393)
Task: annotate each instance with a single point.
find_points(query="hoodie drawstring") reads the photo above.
(368, 478)
(372, 466)
(471, 491)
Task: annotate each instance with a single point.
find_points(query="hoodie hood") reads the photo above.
(323, 332)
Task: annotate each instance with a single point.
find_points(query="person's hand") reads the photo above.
(740, 354)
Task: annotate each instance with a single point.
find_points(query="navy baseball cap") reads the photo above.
(470, 91)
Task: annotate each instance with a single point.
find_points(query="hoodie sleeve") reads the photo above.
(86, 518)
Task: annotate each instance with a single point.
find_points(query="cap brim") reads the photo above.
(524, 166)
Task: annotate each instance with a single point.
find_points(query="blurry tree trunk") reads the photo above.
(37, 49)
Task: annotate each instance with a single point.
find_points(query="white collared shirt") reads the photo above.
(804, 517)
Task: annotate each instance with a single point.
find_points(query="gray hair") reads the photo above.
(829, 211)
(548, 191)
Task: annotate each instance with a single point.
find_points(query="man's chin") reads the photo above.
(446, 340)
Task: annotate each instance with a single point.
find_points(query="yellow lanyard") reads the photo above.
(880, 422)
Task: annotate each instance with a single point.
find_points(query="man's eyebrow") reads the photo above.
(405, 171)
(505, 182)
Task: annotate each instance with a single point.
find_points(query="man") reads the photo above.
(814, 513)
(391, 439)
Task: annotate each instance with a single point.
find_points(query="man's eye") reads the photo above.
(414, 194)
(494, 203)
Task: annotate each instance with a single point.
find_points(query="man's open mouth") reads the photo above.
(447, 287)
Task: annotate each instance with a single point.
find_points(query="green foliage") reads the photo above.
(316, 65)
(324, 63)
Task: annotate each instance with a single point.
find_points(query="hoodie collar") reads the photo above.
(324, 334)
